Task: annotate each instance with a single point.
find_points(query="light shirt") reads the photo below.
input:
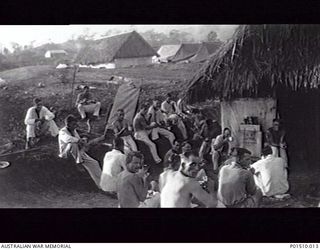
(114, 163)
(32, 115)
(271, 175)
(65, 137)
(168, 108)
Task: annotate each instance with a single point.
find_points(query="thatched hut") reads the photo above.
(278, 62)
(123, 50)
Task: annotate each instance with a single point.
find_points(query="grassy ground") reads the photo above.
(41, 179)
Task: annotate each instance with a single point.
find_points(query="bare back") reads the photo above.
(179, 190)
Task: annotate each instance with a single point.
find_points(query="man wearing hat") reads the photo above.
(39, 121)
(87, 104)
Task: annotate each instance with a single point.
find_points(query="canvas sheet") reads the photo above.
(127, 99)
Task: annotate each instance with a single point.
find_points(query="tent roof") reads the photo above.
(186, 51)
(126, 45)
(206, 49)
(167, 51)
(258, 61)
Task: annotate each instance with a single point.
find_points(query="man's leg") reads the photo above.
(93, 168)
(82, 112)
(97, 107)
(143, 136)
(215, 160)
(73, 150)
(30, 131)
(204, 149)
(130, 143)
(167, 134)
(183, 129)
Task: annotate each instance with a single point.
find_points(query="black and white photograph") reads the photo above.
(160, 116)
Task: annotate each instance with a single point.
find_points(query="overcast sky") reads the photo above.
(24, 34)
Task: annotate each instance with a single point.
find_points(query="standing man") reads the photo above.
(270, 174)
(86, 103)
(143, 130)
(181, 186)
(275, 139)
(220, 148)
(132, 182)
(38, 121)
(123, 129)
(70, 144)
(155, 115)
(237, 188)
(169, 108)
(114, 163)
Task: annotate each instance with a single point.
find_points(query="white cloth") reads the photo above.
(144, 136)
(89, 108)
(114, 163)
(271, 175)
(31, 117)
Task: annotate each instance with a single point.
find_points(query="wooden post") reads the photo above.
(72, 84)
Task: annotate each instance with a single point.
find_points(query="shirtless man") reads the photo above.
(181, 186)
(124, 130)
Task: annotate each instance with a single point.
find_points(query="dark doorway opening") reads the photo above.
(300, 113)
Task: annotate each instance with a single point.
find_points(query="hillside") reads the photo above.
(22, 87)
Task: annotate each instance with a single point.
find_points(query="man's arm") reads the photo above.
(66, 138)
(48, 114)
(140, 187)
(250, 184)
(218, 143)
(206, 198)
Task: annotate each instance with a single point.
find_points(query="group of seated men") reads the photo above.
(125, 176)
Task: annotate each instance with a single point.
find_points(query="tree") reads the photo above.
(212, 36)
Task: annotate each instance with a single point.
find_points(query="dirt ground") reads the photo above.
(40, 179)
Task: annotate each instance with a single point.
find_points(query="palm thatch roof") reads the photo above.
(126, 45)
(258, 61)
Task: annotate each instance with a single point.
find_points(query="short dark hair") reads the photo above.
(118, 142)
(86, 87)
(132, 154)
(36, 100)
(267, 150)
(276, 120)
(69, 119)
(240, 152)
(192, 152)
(168, 95)
(120, 110)
(173, 160)
(225, 129)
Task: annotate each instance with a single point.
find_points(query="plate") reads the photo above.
(4, 164)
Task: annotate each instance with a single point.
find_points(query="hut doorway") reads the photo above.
(300, 113)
